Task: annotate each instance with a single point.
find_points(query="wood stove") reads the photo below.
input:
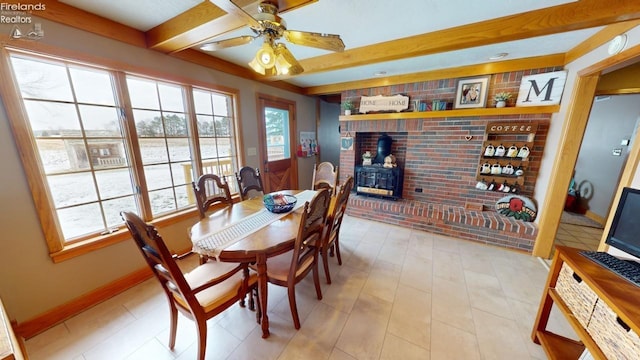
(378, 181)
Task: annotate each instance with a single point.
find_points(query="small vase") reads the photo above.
(500, 104)
(347, 112)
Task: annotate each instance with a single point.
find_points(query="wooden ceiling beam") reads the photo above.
(577, 15)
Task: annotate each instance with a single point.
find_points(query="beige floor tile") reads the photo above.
(485, 293)
(451, 343)
(220, 343)
(254, 347)
(417, 272)
(152, 349)
(338, 354)
(411, 316)
(397, 348)
(421, 245)
(365, 255)
(364, 331)
(450, 304)
(317, 336)
(345, 288)
(498, 337)
(383, 280)
(448, 266)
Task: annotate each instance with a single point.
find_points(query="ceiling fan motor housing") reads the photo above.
(270, 22)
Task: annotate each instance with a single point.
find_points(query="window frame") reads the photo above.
(61, 249)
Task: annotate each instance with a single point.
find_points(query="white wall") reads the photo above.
(612, 119)
(30, 283)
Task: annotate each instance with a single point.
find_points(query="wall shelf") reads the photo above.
(454, 113)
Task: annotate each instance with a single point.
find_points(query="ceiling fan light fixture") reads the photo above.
(265, 56)
(286, 63)
(257, 67)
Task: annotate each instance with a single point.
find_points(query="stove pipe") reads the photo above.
(384, 149)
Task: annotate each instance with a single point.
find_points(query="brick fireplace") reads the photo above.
(440, 160)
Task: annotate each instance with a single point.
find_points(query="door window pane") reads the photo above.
(277, 133)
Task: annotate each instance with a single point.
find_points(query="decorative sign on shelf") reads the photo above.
(541, 89)
(510, 128)
(383, 103)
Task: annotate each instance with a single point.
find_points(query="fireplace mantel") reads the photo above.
(454, 113)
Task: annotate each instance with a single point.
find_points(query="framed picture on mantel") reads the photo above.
(471, 93)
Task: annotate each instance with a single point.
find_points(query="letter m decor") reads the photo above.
(541, 89)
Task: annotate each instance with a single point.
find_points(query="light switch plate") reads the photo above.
(624, 142)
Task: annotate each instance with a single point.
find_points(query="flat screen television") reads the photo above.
(624, 233)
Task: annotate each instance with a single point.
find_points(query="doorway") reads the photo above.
(596, 175)
(276, 122)
(577, 115)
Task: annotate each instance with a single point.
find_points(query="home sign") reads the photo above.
(541, 89)
(383, 103)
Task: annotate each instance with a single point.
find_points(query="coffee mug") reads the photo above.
(489, 151)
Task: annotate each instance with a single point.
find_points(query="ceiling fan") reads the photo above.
(273, 58)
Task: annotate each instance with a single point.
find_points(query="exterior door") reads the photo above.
(277, 143)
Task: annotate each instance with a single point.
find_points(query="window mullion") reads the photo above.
(194, 140)
(133, 146)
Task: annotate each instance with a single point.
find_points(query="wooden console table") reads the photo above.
(601, 307)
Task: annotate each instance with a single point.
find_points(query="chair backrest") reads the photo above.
(310, 231)
(335, 218)
(211, 190)
(325, 176)
(159, 259)
(249, 180)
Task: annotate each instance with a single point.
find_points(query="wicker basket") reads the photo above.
(611, 334)
(576, 294)
(279, 203)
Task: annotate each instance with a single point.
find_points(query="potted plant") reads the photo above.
(501, 99)
(348, 106)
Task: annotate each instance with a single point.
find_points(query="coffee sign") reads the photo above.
(383, 103)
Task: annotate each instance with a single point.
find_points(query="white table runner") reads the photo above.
(213, 243)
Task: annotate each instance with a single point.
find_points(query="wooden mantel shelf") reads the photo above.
(454, 113)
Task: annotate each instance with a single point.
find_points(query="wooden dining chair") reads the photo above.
(200, 294)
(290, 268)
(210, 190)
(249, 180)
(331, 236)
(325, 175)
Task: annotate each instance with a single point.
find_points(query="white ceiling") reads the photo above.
(361, 23)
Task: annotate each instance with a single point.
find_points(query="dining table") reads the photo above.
(246, 232)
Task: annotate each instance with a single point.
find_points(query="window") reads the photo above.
(98, 157)
(216, 134)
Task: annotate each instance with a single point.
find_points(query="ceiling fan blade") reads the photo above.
(322, 41)
(233, 9)
(227, 43)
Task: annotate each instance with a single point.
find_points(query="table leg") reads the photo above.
(261, 265)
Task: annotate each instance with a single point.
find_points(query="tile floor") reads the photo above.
(400, 294)
(582, 237)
